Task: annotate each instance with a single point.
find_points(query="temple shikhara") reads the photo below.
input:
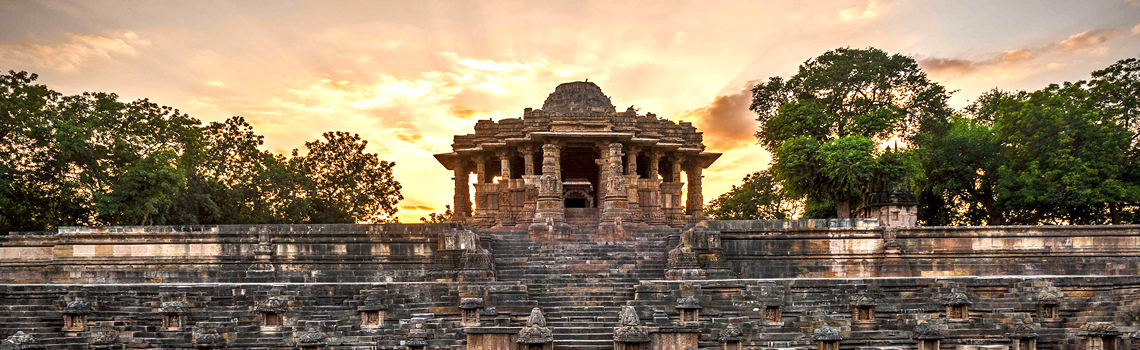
(579, 161)
(585, 232)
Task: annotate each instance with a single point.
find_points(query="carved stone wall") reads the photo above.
(1052, 288)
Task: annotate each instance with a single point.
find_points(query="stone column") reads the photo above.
(616, 206)
(506, 210)
(486, 194)
(671, 193)
(603, 162)
(528, 159)
(462, 198)
(504, 165)
(695, 205)
(633, 185)
(676, 161)
(549, 209)
(654, 162)
(651, 203)
(631, 169)
(480, 169)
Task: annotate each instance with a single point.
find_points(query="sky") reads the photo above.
(408, 75)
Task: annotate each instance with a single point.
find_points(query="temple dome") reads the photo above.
(578, 97)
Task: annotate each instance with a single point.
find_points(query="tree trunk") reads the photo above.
(997, 218)
(843, 209)
(1114, 211)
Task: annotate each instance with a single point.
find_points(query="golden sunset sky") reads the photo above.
(409, 75)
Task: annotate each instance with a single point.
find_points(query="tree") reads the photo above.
(838, 171)
(1116, 92)
(92, 159)
(962, 165)
(434, 218)
(142, 191)
(759, 197)
(29, 198)
(1067, 159)
(825, 123)
(346, 179)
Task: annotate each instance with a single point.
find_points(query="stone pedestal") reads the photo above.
(492, 338)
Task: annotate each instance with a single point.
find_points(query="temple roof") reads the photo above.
(578, 112)
(577, 97)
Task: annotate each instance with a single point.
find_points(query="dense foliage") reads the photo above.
(1065, 154)
(759, 197)
(91, 159)
(824, 126)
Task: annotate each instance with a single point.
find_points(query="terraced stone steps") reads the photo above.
(580, 280)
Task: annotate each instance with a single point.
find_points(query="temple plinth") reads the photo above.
(578, 161)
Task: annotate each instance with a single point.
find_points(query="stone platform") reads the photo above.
(746, 285)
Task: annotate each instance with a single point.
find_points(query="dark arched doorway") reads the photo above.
(580, 177)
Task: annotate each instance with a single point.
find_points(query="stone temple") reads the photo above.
(577, 240)
(578, 161)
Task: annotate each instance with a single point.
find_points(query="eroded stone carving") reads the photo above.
(536, 331)
(631, 330)
(208, 339)
(21, 341)
(311, 340)
(731, 333)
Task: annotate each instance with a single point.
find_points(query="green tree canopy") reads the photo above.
(759, 197)
(825, 124)
(962, 165)
(91, 159)
(347, 180)
(1065, 154)
(1067, 160)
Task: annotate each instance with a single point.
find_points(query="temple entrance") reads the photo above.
(580, 177)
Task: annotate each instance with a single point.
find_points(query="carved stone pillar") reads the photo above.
(671, 193)
(462, 200)
(633, 186)
(527, 153)
(603, 162)
(549, 208)
(675, 170)
(506, 211)
(480, 169)
(631, 168)
(650, 200)
(616, 205)
(695, 205)
(504, 166)
(486, 195)
(654, 162)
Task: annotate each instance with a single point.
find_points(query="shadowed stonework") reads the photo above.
(581, 244)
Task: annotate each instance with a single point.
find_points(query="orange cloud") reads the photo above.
(1087, 42)
(416, 207)
(467, 114)
(1083, 40)
(74, 52)
(726, 121)
(409, 138)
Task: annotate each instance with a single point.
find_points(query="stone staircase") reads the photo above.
(582, 218)
(579, 280)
